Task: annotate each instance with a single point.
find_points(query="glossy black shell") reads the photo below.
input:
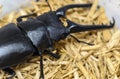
(14, 46)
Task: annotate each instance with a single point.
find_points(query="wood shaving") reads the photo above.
(78, 60)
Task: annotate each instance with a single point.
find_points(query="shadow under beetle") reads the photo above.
(20, 41)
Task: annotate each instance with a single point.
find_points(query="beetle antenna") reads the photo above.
(81, 41)
(49, 5)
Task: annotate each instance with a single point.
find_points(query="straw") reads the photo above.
(78, 60)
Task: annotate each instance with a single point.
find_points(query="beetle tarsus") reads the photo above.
(9, 71)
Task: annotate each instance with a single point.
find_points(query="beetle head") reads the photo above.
(74, 27)
(56, 28)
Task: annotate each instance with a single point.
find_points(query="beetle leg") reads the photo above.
(81, 41)
(61, 11)
(19, 19)
(41, 66)
(74, 27)
(9, 71)
(50, 48)
(52, 54)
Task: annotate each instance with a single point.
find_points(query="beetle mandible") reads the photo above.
(20, 41)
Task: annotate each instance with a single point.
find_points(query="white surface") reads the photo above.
(112, 8)
(11, 5)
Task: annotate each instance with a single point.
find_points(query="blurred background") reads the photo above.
(112, 7)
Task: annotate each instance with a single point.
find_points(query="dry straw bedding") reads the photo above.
(78, 60)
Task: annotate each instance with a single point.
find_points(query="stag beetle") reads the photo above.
(20, 41)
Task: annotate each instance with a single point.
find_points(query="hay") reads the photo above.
(78, 60)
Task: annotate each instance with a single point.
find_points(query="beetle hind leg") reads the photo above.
(9, 71)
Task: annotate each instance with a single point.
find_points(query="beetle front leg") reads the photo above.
(19, 19)
(9, 71)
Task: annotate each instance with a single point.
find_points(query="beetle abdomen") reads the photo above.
(14, 46)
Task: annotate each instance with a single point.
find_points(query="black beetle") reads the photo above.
(20, 41)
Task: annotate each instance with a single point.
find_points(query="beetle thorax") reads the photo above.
(55, 27)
